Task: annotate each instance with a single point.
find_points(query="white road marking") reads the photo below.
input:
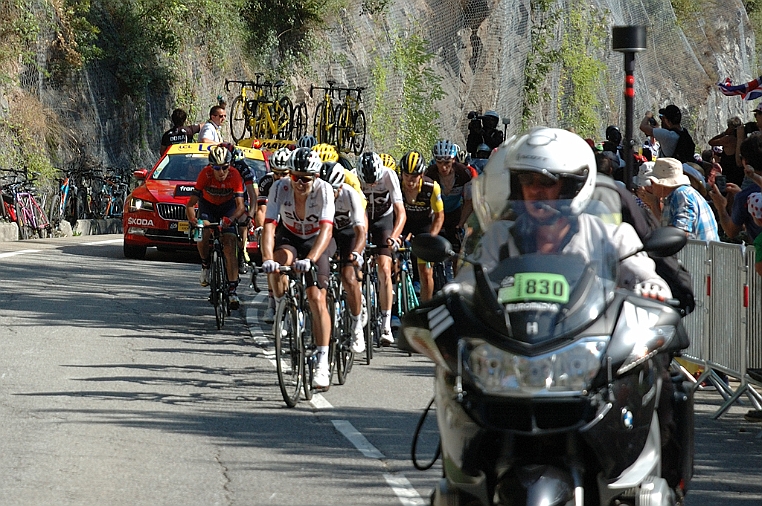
(19, 252)
(320, 402)
(98, 243)
(357, 439)
(406, 493)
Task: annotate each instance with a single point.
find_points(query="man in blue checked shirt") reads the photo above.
(681, 205)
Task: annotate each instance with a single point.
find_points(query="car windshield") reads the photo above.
(180, 167)
(186, 167)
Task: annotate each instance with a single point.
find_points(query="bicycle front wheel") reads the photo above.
(299, 126)
(25, 228)
(371, 326)
(344, 355)
(54, 211)
(218, 286)
(41, 221)
(238, 119)
(310, 354)
(289, 352)
(284, 118)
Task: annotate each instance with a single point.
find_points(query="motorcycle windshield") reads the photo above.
(552, 273)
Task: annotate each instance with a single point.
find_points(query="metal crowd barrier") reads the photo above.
(726, 326)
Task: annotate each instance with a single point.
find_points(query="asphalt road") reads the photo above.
(116, 388)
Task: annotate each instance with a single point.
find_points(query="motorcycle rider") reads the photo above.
(537, 185)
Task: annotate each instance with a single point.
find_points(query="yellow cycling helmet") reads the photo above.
(327, 153)
(388, 161)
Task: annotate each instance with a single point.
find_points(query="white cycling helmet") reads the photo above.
(306, 141)
(305, 160)
(333, 175)
(554, 152)
(279, 160)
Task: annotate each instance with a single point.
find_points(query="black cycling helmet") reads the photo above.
(305, 160)
(220, 155)
(412, 163)
(613, 134)
(371, 167)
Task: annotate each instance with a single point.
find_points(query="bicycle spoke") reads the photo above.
(288, 352)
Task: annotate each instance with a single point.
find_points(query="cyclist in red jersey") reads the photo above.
(219, 194)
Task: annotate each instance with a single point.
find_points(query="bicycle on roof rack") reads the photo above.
(350, 122)
(262, 111)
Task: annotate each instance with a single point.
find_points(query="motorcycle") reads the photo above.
(553, 386)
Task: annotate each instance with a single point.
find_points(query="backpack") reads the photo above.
(685, 148)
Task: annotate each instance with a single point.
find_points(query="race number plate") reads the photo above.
(183, 226)
(535, 286)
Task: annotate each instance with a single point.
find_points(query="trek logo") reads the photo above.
(143, 222)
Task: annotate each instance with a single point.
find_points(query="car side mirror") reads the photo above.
(140, 173)
(432, 248)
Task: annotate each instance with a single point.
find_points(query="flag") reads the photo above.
(749, 91)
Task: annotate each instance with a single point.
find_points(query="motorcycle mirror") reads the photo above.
(432, 248)
(665, 241)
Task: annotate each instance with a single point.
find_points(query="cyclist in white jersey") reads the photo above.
(386, 219)
(349, 232)
(298, 232)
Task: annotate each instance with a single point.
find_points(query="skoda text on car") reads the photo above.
(154, 210)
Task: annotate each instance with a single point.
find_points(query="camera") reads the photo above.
(473, 115)
(652, 121)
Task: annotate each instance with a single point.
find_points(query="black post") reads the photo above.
(628, 40)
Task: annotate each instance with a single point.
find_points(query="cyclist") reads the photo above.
(454, 179)
(389, 162)
(386, 219)
(297, 232)
(424, 210)
(349, 232)
(219, 194)
(250, 199)
(278, 169)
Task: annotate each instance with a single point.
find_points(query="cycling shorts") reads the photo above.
(300, 248)
(380, 231)
(214, 213)
(345, 243)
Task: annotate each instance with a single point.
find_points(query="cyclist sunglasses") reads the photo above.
(302, 179)
(220, 167)
(443, 158)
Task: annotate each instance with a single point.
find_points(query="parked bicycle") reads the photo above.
(31, 219)
(350, 122)
(323, 126)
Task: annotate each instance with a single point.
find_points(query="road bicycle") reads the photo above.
(65, 204)
(32, 221)
(295, 348)
(341, 328)
(273, 113)
(350, 122)
(241, 112)
(301, 117)
(323, 126)
(407, 300)
(370, 287)
(108, 200)
(219, 294)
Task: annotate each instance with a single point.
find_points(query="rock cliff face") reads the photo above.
(480, 48)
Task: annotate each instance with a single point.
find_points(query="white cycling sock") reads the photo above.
(386, 318)
(322, 353)
(355, 321)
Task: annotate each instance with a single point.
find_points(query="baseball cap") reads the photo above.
(642, 178)
(672, 113)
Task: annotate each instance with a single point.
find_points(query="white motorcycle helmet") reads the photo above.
(553, 152)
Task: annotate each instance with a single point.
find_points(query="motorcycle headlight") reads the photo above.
(135, 204)
(561, 372)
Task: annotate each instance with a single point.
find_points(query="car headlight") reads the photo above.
(136, 204)
(567, 370)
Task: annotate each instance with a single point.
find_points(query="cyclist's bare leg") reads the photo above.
(321, 320)
(352, 289)
(228, 248)
(426, 274)
(203, 244)
(385, 295)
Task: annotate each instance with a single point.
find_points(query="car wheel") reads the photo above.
(136, 252)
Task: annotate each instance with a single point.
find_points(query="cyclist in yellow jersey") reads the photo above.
(424, 208)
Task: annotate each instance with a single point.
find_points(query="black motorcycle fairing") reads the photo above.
(625, 425)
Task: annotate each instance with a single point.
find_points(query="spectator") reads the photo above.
(210, 131)
(482, 156)
(670, 130)
(483, 130)
(746, 130)
(733, 222)
(754, 206)
(684, 207)
(180, 132)
(727, 141)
